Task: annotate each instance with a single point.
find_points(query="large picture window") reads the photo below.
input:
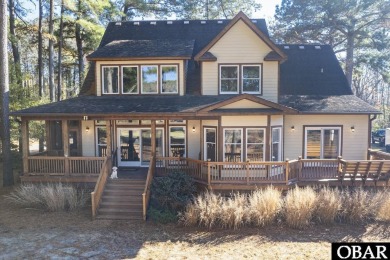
(169, 82)
(232, 145)
(149, 79)
(235, 79)
(229, 79)
(255, 144)
(110, 79)
(322, 142)
(129, 80)
(177, 141)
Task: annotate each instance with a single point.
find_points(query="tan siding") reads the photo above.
(244, 104)
(240, 45)
(240, 121)
(277, 120)
(210, 123)
(355, 144)
(193, 139)
(88, 139)
(139, 62)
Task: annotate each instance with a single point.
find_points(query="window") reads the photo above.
(101, 141)
(169, 82)
(177, 141)
(129, 80)
(322, 143)
(110, 80)
(210, 144)
(240, 79)
(229, 79)
(276, 146)
(255, 144)
(232, 145)
(149, 79)
(250, 79)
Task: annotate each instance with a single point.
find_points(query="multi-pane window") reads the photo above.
(232, 145)
(110, 79)
(210, 144)
(130, 79)
(276, 146)
(169, 82)
(177, 141)
(229, 79)
(255, 144)
(149, 82)
(250, 79)
(322, 142)
(235, 79)
(101, 141)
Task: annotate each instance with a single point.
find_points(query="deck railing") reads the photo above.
(97, 193)
(64, 166)
(315, 169)
(378, 155)
(146, 193)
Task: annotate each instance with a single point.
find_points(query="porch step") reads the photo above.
(122, 199)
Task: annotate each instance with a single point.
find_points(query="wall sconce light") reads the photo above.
(193, 129)
(87, 129)
(85, 118)
(292, 128)
(352, 129)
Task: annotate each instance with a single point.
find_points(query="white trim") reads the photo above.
(322, 138)
(161, 79)
(205, 142)
(259, 78)
(142, 87)
(224, 143)
(185, 139)
(279, 144)
(220, 79)
(102, 83)
(263, 143)
(137, 91)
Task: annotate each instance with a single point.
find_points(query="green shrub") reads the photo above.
(162, 216)
(51, 197)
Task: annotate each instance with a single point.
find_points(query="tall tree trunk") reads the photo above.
(349, 57)
(79, 44)
(51, 53)
(8, 178)
(40, 51)
(14, 42)
(59, 76)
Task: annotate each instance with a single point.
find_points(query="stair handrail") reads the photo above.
(146, 193)
(97, 193)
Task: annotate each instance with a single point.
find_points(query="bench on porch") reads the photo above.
(375, 170)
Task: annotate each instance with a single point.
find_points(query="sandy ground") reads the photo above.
(34, 234)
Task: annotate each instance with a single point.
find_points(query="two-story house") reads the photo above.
(209, 90)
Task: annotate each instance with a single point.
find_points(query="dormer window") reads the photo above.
(236, 79)
(130, 80)
(149, 83)
(110, 79)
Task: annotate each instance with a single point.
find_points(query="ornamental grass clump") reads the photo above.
(383, 212)
(328, 205)
(264, 206)
(358, 205)
(234, 211)
(208, 205)
(299, 207)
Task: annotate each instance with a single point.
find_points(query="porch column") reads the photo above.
(65, 144)
(108, 131)
(25, 146)
(153, 141)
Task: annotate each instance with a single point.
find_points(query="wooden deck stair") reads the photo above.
(122, 199)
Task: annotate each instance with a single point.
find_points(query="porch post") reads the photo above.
(25, 146)
(65, 143)
(108, 131)
(153, 141)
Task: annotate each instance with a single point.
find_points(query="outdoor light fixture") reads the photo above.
(352, 129)
(292, 128)
(87, 129)
(193, 129)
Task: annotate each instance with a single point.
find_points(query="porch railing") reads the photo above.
(146, 193)
(97, 193)
(64, 166)
(315, 169)
(378, 155)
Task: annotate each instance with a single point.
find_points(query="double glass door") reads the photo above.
(135, 146)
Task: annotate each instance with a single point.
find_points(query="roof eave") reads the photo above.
(137, 58)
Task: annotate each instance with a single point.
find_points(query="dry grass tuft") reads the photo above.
(383, 211)
(234, 211)
(52, 197)
(299, 206)
(358, 205)
(264, 206)
(328, 205)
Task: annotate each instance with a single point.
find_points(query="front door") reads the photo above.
(210, 142)
(134, 146)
